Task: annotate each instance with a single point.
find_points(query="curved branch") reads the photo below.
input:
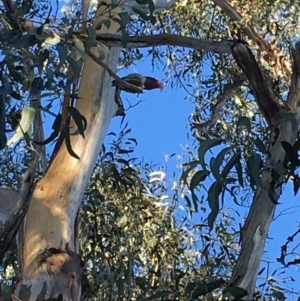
(228, 91)
(265, 98)
(294, 96)
(274, 53)
(114, 40)
(248, 29)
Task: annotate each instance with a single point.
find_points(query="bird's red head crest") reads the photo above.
(160, 85)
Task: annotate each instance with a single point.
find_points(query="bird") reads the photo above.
(141, 83)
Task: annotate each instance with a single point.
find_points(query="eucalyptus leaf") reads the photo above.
(254, 164)
(56, 130)
(68, 141)
(91, 38)
(213, 201)
(205, 146)
(244, 123)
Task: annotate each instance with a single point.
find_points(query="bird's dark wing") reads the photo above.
(133, 79)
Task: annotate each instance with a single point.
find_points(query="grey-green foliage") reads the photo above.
(135, 244)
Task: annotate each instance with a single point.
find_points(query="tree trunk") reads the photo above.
(50, 261)
(256, 227)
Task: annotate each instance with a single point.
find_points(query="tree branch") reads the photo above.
(294, 96)
(274, 53)
(228, 91)
(248, 29)
(267, 102)
(112, 40)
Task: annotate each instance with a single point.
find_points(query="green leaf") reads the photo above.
(26, 85)
(215, 169)
(205, 146)
(79, 120)
(150, 4)
(142, 2)
(178, 278)
(260, 145)
(125, 38)
(190, 167)
(125, 151)
(253, 163)
(27, 117)
(291, 153)
(236, 292)
(239, 171)
(63, 54)
(188, 201)
(125, 19)
(197, 178)
(195, 289)
(103, 50)
(244, 123)
(37, 84)
(213, 201)
(90, 41)
(261, 271)
(60, 297)
(105, 22)
(141, 13)
(296, 182)
(195, 201)
(6, 89)
(56, 130)
(231, 163)
(296, 145)
(68, 141)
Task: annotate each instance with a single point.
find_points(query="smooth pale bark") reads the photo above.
(50, 262)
